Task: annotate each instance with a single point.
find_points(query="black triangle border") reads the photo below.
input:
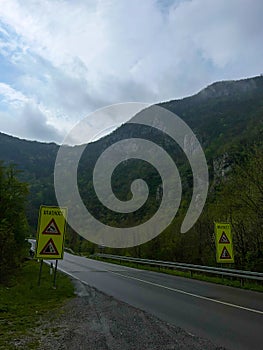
(48, 233)
(48, 242)
(223, 258)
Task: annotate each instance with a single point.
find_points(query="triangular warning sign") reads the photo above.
(224, 238)
(51, 228)
(225, 254)
(49, 248)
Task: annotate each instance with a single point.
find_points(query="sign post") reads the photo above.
(50, 235)
(224, 244)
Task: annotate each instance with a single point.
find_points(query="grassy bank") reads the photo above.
(23, 303)
(199, 276)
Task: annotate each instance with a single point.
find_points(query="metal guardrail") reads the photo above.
(69, 250)
(240, 274)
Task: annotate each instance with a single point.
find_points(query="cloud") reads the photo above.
(11, 95)
(35, 125)
(24, 117)
(71, 58)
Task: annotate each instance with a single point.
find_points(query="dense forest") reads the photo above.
(227, 118)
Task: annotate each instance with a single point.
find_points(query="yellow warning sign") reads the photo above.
(224, 244)
(50, 232)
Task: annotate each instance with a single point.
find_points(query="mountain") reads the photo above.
(35, 159)
(227, 118)
(224, 113)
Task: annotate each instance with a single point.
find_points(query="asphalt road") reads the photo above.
(228, 316)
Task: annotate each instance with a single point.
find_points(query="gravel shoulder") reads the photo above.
(96, 321)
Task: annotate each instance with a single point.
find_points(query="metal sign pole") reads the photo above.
(55, 274)
(40, 272)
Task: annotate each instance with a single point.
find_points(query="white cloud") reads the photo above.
(32, 122)
(11, 95)
(73, 57)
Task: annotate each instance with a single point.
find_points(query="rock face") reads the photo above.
(221, 166)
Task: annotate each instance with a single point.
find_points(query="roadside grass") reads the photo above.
(232, 282)
(23, 302)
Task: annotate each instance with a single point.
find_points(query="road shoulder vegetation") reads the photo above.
(43, 318)
(24, 303)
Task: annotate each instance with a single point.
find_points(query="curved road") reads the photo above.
(229, 317)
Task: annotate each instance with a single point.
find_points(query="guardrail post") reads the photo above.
(222, 276)
(51, 269)
(40, 272)
(55, 275)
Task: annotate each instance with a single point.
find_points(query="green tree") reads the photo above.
(241, 203)
(13, 223)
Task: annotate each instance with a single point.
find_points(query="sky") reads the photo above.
(61, 60)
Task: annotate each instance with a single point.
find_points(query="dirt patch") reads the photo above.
(96, 321)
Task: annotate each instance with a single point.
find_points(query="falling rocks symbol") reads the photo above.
(51, 228)
(224, 238)
(225, 254)
(49, 248)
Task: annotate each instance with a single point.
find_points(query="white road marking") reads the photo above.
(174, 290)
(190, 294)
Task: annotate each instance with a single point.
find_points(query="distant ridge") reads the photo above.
(231, 87)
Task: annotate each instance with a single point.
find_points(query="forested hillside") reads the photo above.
(227, 118)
